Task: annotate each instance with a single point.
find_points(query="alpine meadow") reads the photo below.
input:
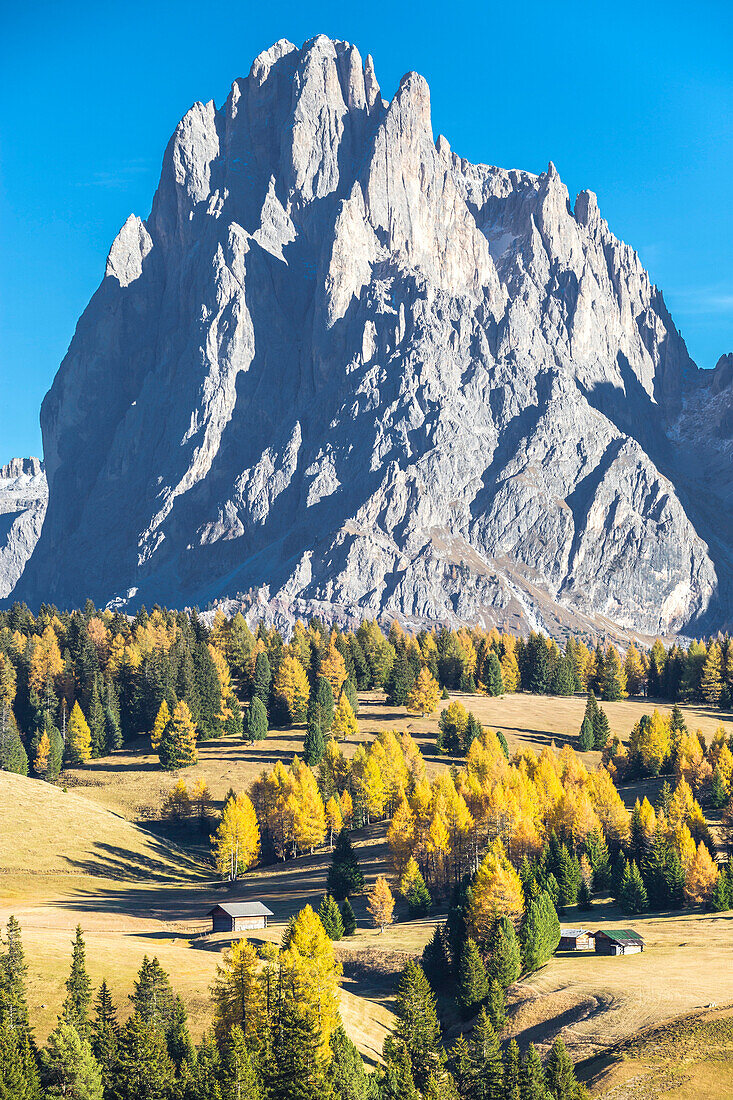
(366, 631)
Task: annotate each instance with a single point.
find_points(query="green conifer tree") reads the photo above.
(314, 745)
(505, 961)
(344, 874)
(68, 1067)
(348, 918)
(473, 984)
(255, 723)
(78, 987)
(330, 916)
(417, 1024)
(586, 738)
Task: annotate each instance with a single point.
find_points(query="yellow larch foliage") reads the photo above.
(634, 671)
(701, 876)
(380, 903)
(333, 667)
(413, 758)
(612, 813)
(300, 645)
(236, 842)
(272, 795)
(387, 752)
(99, 635)
(78, 737)
(333, 768)
(45, 662)
(309, 825)
(239, 994)
(178, 801)
(347, 808)
(219, 634)
(647, 818)
(425, 693)
(373, 791)
(40, 764)
(684, 845)
(725, 764)
(401, 835)
(344, 726)
(224, 677)
(681, 803)
(334, 817)
(8, 681)
(711, 683)
(651, 739)
(509, 664)
(575, 816)
(292, 683)
(410, 875)
(310, 968)
(497, 891)
(162, 719)
(200, 797)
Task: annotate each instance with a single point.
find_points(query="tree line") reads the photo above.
(276, 1034)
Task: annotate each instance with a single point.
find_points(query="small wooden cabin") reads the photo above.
(618, 941)
(576, 939)
(239, 916)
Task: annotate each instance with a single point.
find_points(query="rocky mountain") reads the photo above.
(23, 498)
(340, 368)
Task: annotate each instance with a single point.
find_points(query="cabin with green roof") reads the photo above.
(618, 941)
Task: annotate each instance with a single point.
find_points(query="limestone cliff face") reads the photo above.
(344, 368)
(23, 496)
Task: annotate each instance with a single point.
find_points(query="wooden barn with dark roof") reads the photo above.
(239, 916)
(618, 941)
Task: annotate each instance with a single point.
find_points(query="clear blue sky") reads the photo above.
(633, 100)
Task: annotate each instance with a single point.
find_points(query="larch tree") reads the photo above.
(711, 683)
(239, 994)
(701, 876)
(423, 698)
(291, 683)
(344, 725)
(162, 719)
(236, 842)
(497, 891)
(333, 667)
(380, 903)
(312, 974)
(78, 738)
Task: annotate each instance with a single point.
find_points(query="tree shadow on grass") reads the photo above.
(113, 862)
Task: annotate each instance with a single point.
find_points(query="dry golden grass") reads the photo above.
(690, 1058)
(598, 1001)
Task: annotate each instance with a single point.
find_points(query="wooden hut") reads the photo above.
(239, 916)
(618, 941)
(576, 939)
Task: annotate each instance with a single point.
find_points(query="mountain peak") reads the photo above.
(342, 369)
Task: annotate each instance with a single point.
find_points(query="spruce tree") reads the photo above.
(178, 743)
(240, 1079)
(321, 706)
(78, 987)
(417, 1024)
(397, 1081)
(330, 917)
(436, 960)
(473, 730)
(314, 745)
(487, 1060)
(585, 901)
(105, 1033)
(298, 1073)
(68, 1067)
(599, 858)
(560, 1073)
(143, 1067)
(492, 675)
(13, 757)
(540, 931)
(262, 678)
(601, 729)
(13, 971)
(496, 1005)
(255, 723)
(346, 1076)
(532, 1084)
(586, 738)
(344, 874)
(347, 918)
(511, 1071)
(505, 962)
(18, 1078)
(473, 984)
(721, 898)
(632, 894)
(152, 997)
(178, 1038)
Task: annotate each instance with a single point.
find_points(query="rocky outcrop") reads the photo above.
(340, 367)
(23, 497)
